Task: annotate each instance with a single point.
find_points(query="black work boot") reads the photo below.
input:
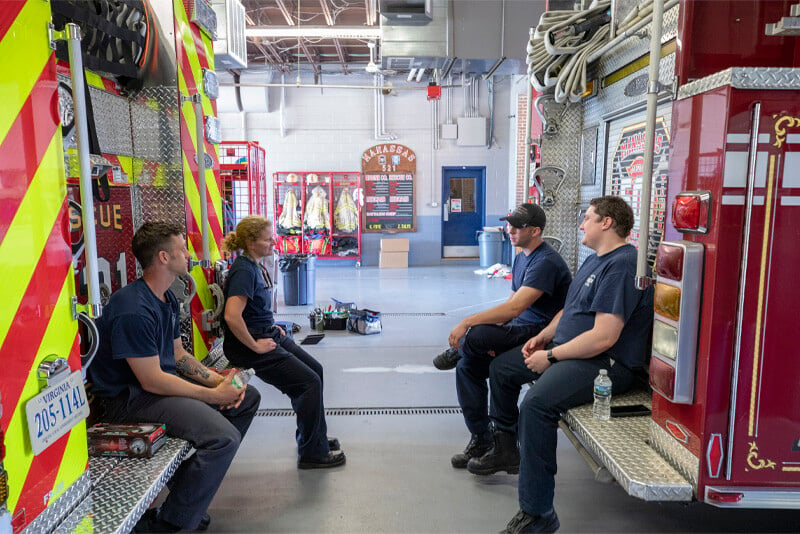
(503, 456)
(447, 360)
(477, 446)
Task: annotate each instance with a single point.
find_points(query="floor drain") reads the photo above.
(430, 410)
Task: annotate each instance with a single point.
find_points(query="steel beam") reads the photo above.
(285, 12)
(326, 11)
(310, 57)
(342, 56)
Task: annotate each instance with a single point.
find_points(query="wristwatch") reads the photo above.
(550, 358)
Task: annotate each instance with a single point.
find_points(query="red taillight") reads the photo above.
(690, 211)
(724, 496)
(669, 262)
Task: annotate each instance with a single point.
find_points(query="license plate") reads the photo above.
(54, 411)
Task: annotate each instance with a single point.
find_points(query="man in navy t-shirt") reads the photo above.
(142, 374)
(539, 283)
(605, 324)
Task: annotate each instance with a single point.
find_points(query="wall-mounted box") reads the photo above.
(449, 131)
(471, 131)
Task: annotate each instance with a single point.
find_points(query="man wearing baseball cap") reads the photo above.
(539, 283)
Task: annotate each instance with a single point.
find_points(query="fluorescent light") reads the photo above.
(341, 32)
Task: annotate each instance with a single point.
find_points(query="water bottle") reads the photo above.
(602, 396)
(319, 321)
(242, 377)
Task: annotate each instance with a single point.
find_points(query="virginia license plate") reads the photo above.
(54, 411)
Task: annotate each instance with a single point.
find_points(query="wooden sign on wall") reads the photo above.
(388, 172)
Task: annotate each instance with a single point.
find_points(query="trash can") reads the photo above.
(299, 278)
(491, 247)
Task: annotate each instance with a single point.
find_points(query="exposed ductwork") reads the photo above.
(486, 36)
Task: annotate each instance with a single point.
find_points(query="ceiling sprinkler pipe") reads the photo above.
(411, 75)
(420, 73)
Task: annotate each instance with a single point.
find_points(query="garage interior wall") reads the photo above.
(327, 129)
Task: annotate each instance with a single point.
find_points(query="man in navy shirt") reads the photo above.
(605, 324)
(539, 285)
(136, 378)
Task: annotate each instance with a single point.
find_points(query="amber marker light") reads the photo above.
(667, 301)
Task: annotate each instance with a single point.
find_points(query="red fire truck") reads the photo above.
(86, 155)
(725, 134)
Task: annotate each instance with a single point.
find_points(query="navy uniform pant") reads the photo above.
(562, 386)
(472, 370)
(296, 374)
(214, 433)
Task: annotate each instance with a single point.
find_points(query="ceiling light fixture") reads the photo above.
(343, 32)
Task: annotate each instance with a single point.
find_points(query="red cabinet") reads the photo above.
(318, 213)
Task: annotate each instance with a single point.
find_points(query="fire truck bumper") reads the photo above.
(619, 448)
(123, 489)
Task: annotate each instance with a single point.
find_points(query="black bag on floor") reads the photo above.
(364, 322)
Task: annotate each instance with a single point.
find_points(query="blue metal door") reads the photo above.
(463, 210)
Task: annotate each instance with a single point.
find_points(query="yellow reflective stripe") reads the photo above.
(193, 199)
(203, 293)
(24, 58)
(126, 163)
(27, 235)
(58, 339)
(199, 344)
(73, 463)
(94, 80)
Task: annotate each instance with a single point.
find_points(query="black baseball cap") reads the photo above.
(526, 215)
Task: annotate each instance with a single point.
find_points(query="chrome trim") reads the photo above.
(737, 351)
(744, 78)
(757, 497)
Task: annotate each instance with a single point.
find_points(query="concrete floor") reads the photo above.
(398, 476)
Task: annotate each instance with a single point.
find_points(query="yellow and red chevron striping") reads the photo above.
(23, 147)
(36, 269)
(193, 54)
(8, 14)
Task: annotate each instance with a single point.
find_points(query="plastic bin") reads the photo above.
(491, 247)
(299, 278)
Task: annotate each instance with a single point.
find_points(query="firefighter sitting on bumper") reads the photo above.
(605, 324)
(539, 286)
(135, 375)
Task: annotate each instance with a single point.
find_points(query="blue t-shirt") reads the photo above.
(605, 284)
(249, 279)
(543, 269)
(134, 324)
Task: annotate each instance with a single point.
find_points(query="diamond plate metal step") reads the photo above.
(123, 488)
(622, 446)
(785, 27)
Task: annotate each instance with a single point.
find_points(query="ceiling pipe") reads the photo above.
(420, 73)
(337, 86)
(494, 68)
(411, 74)
(448, 65)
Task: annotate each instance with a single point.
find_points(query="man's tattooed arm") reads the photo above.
(190, 368)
